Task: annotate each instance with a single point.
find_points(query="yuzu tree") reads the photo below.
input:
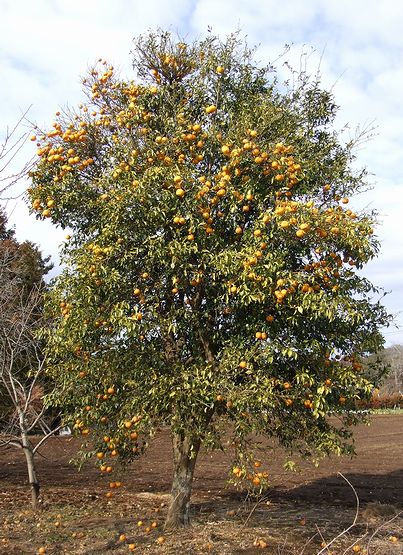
(210, 283)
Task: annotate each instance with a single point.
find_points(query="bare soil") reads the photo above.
(300, 513)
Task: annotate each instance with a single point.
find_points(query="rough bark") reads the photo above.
(185, 453)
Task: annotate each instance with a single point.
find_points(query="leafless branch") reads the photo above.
(346, 530)
(52, 432)
(376, 531)
(11, 146)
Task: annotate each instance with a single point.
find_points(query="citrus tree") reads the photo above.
(210, 283)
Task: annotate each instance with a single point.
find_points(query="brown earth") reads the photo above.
(297, 514)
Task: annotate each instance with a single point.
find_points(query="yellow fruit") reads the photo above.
(211, 109)
(180, 193)
(219, 70)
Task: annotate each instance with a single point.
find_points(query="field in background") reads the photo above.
(299, 514)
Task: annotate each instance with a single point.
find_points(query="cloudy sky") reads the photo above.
(46, 45)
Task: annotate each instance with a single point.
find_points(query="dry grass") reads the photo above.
(91, 525)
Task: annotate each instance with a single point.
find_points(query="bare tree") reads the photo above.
(22, 369)
(396, 362)
(392, 359)
(11, 145)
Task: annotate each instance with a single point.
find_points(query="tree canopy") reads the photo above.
(211, 276)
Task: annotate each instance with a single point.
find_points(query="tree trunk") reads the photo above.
(185, 453)
(33, 481)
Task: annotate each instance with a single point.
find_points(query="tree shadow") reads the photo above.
(380, 488)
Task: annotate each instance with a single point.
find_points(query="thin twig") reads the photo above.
(259, 501)
(355, 517)
(379, 528)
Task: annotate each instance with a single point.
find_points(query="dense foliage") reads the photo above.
(211, 275)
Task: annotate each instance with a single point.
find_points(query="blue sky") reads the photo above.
(46, 45)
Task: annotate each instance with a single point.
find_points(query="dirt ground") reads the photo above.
(301, 513)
